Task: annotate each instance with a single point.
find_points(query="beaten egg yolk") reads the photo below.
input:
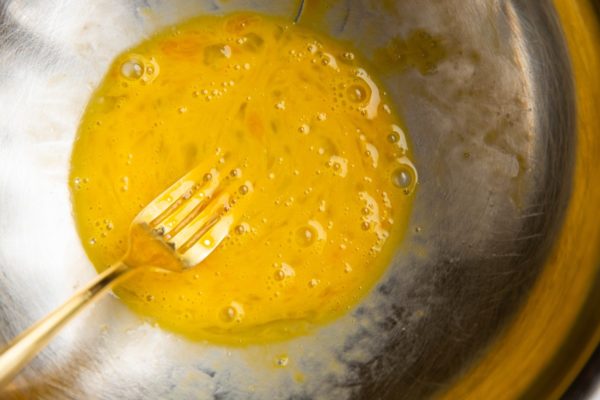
(293, 111)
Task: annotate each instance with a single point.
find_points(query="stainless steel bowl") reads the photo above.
(494, 293)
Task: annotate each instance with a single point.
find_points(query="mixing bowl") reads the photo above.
(494, 293)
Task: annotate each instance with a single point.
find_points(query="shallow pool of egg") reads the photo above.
(296, 114)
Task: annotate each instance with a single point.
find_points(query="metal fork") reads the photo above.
(176, 231)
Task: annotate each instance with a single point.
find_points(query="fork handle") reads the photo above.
(30, 342)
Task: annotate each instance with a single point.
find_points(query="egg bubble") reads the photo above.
(357, 94)
(393, 137)
(305, 236)
(304, 129)
(234, 312)
(284, 271)
(279, 275)
(402, 178)
(405, 178)
(228, 314)
(132, 69)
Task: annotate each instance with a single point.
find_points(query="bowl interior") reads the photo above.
(492, 126)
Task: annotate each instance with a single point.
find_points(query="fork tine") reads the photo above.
(194, 230)
(213, 226)
(194, 208)
(198, 251)
(201, 232)
(163, 206)
(173, 207)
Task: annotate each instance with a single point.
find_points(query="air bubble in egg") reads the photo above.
(132, 69)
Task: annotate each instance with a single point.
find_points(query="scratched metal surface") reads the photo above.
(493, 137)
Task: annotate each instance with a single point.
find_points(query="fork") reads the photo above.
(174, 232)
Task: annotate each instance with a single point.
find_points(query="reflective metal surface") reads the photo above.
(587, 384)
(505, 161)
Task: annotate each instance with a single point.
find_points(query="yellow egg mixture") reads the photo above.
(295, 113)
